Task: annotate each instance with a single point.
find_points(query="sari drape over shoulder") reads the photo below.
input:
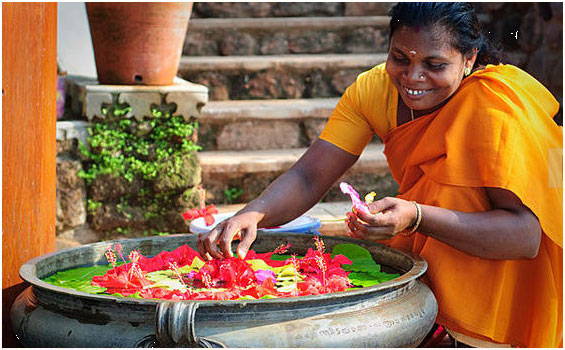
(495, 131)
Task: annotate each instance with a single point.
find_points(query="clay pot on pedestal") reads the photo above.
(138, 43)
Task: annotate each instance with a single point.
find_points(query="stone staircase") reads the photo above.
(274, 78)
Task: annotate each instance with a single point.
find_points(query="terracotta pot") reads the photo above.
(138, 43)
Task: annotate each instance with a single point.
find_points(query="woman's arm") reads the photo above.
(288, 197)
(508, 231)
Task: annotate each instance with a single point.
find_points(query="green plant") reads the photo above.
(123, 230)
(136, 149)
(232, 194)
(140, 152)
(92, 205)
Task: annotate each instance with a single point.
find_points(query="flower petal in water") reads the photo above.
(262, 275)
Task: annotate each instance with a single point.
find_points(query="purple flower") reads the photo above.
(262, 275)
(355, 200)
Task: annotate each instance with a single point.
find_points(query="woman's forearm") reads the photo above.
(493, 234)
(508, 230)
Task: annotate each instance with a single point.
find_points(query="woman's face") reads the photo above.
(423, 65)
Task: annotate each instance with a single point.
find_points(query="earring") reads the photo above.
(467, 71)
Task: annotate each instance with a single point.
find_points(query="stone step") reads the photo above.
(263, 124)
(286, 35)
(288, 9)
(240, 176)
(276, 76)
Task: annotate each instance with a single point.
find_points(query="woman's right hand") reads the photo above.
(242, 226)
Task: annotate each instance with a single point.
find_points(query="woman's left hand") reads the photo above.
(388, 217)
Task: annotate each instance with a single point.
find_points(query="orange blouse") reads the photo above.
(495, 131)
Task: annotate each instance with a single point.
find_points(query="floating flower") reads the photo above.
(135, 270)
(262, 275)
(226, 279)
(111, 256)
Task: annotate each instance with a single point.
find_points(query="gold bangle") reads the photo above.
(417, 223)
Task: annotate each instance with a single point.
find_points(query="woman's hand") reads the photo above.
(388, 217)
(242, 226)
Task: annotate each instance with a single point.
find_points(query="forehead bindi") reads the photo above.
(426, 41)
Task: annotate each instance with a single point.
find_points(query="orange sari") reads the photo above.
(496, 131)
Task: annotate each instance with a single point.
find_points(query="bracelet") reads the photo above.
(417, 223)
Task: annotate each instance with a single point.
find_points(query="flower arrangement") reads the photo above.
(254, 277)
(183, 275)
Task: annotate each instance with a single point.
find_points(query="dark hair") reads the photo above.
(457, 17)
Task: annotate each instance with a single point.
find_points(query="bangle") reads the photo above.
(417, 223)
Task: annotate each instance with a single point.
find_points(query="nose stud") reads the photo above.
(422, 76)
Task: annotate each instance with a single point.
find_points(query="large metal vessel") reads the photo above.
(397, 313)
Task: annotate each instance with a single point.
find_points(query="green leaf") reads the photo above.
(283, 257)
(268, 296)
(361, 258)
(79, 278)
(164, 279)
(367, 279)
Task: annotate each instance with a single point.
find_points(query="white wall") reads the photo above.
(74, 47)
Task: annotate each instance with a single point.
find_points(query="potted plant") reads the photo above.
(138, 43)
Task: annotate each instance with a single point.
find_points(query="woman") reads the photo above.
(476, 153)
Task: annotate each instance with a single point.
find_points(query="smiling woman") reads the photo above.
(425, 71)
(469, 142)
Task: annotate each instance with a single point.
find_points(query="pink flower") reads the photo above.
(262, 275)
(355, 200)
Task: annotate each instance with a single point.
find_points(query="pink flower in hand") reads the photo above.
(355, 200)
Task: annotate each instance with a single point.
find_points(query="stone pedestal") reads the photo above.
(87, 97)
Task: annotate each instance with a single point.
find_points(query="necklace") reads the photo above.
(412, 113)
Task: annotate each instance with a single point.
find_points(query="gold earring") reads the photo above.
(467, 71)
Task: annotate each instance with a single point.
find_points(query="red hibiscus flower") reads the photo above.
(206, 213)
